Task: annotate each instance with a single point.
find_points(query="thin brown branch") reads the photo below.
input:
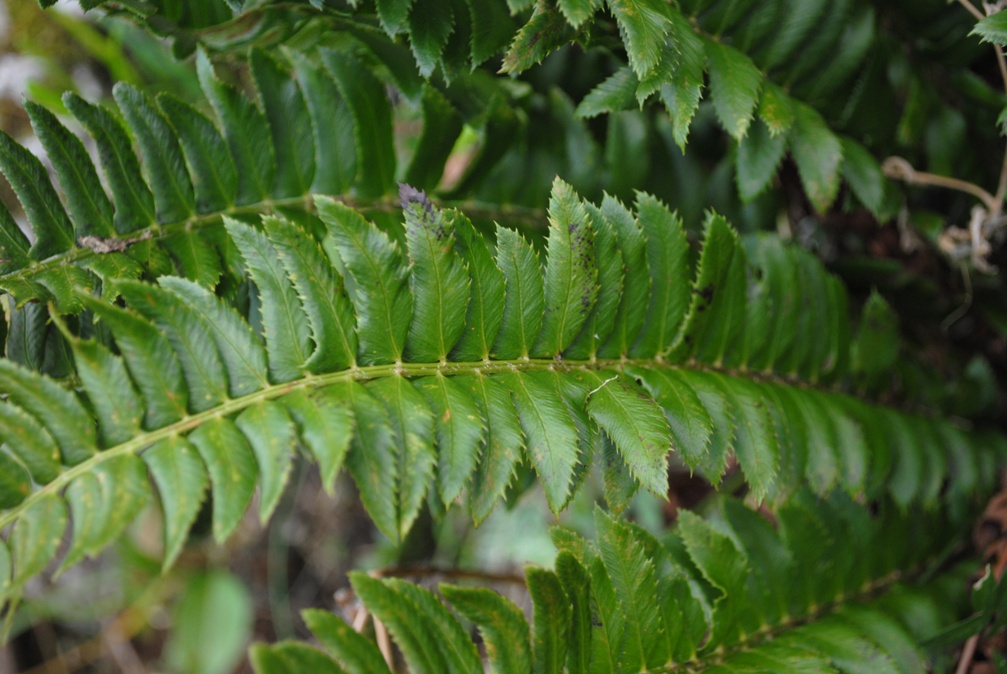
(967, 654)
(900, 169)
(973, 10)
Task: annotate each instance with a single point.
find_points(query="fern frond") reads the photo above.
(258, 156)
(345, 364)
(819, 592)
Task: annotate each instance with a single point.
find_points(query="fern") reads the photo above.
(724, 594)
(358, 368)
(239, 290)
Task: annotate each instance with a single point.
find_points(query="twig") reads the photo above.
(967, 654)
(973, 10)
(900, 169)
(384, 643)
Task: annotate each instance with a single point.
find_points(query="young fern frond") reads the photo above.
(353, 360)
(727, 594)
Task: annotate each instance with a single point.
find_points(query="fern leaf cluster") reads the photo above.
(430, 365)
(821, 593)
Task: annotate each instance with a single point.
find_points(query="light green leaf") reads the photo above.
(290, 657)
(181, 480)
(5, 570)
(393, 14)
(862, 171)
(211, 624)
(634, 580)
(376, 281)
(30, 442)
(755, 443)
(570, 272)
(103, 502)
(358, 654)
(689, 423)
(442, 125)
(325, 424)
(241, 351)
(459, 426)
(162, 155)
(544, 32)
(633, 305)
(724, 566)
(759, 155)
(482, 322)
(993, 28)
(667, 258)
(734, 87)
(284, 322)
(373, 460)
(271, 435)
(524, 301)
(502, 442)
(601, 320)
(15, 485)
(876, 346)
(320, 290)
(501, 624)
(194, 258)
(578, 11)
(818, 155)
(233, 472)
(190, 338)
(151, 361)
(332, 123)
(636, 425)
(117, 406)
(57, 409)
(681, 95)
(439, 280)
(644, 26)
(550, 435)
(550, 619)
(776, 109)
(36, 537)
(412, 426)
(616, 93)
(712, 331)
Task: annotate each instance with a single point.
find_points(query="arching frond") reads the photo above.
(354, 359)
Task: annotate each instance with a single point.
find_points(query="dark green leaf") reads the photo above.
(524, 301)
(162, 154)
(134, 203)
(89, 207)
(290, 124)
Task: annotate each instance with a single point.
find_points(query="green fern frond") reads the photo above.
(818, 592)
(259, 156)
(353, 360)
